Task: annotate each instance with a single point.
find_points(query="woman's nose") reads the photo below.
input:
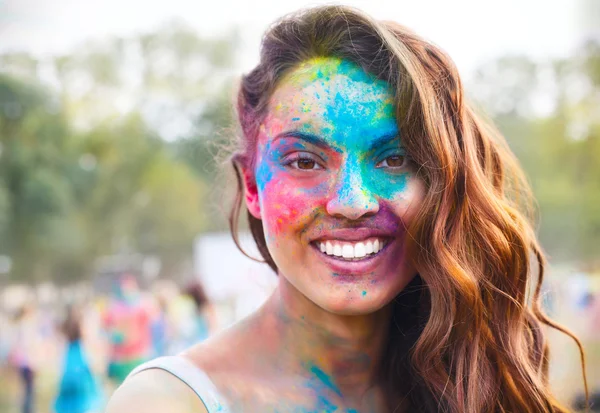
(351, 197)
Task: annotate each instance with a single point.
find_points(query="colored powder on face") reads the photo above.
(263, 173)
(349, 110)
(387, 186)
(352, 184)
(364, 293)
(358, 107)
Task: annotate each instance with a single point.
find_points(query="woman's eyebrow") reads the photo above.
(383, 140)
(321, 143)
(308, 137)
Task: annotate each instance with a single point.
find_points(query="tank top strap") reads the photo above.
(190, 374)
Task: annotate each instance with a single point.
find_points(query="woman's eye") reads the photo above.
(305, 164)
(393, 161)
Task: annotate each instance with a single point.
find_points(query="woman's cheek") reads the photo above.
(404, 193)
(288, 205)
(390, 187)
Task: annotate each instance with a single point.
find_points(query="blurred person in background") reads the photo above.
(194, 318)
(25, 352)
(593, 332)
(385, 204)
(160, 326)
(204, 320)
(5, 327)
(79, 390)
(128, 325)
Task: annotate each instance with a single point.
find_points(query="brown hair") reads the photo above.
(71, 326)
(465, 336)
(196, 292)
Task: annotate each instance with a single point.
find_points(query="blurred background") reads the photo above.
(113, 232)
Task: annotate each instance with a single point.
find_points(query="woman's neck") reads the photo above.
(340, 352)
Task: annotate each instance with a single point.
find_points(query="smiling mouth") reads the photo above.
(352, 251)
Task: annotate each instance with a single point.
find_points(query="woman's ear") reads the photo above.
(251, 193)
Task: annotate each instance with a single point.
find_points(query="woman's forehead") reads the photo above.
(330, 94)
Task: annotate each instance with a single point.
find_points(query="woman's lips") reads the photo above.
(354, 265)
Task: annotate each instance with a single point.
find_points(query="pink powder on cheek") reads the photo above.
(286, 208)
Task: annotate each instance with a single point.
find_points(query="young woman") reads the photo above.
(391, 213)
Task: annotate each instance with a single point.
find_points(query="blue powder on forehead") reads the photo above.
(350, 111)
(359, 105)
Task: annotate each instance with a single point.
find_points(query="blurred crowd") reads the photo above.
(69, 355)
(90, 346)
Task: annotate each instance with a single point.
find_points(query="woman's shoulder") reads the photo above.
(179, 384)
(235, 361)
(155, 390)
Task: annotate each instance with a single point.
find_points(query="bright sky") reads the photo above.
(471, 31)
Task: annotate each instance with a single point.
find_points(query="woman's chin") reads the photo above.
(357, 295)
(352, 303)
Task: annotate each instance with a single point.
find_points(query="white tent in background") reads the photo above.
(237, 284)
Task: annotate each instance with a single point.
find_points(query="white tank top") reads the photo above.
(190, 374)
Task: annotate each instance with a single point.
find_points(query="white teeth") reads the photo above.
(347, 251)
(351, 250)
(359, 250)
(337, 250)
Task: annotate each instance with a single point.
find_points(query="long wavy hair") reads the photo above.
(466, 335)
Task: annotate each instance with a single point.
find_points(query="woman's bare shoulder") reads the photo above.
(154, 391)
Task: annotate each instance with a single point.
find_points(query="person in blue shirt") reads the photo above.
(79, 390)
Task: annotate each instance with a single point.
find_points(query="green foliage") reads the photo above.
(35, 189)
(81, 177)
(550, 118)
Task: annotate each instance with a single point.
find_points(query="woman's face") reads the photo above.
(333, 187)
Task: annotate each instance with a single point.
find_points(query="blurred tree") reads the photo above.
(19, 64)
(549, 113)
(35, 193)
(90, 168)
(136, 195)
(206, 149)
